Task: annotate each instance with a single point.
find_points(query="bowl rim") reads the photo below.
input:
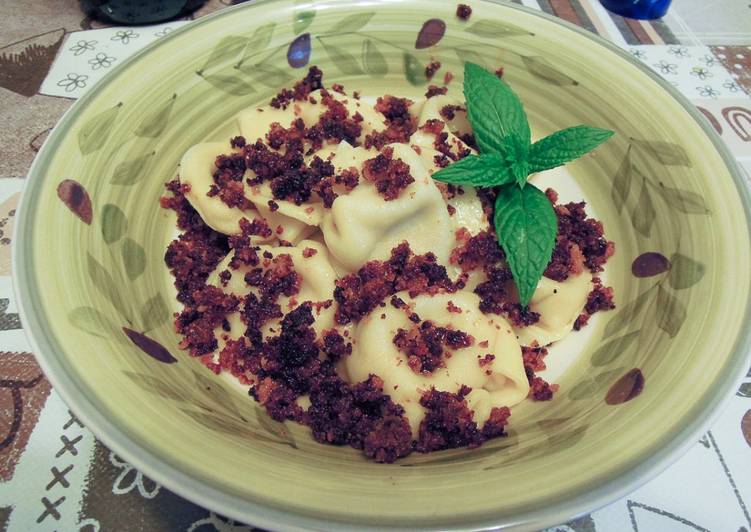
(273, 517)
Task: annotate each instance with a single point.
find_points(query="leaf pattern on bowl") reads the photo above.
(626, 388)
(343, 60)
(133, 257)
(155, 122)
(303, 16)
(430, 34)
(650, 264)
(154, 313)
(132, 171)
(149, 346)
(373, 60)
(106, 285)
(541, 67)
(95, 132)
(493, 29)
(685, 272)
(298, 53)
(76, 198)
(613, 349)
(114, 223)
(414, 71)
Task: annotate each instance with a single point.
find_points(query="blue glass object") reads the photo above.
(640, 9)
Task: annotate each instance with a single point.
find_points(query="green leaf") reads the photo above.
(520, 171)
(685, 272)
(622, 182)
(276, 429)
(498, 119)
(114, 223)
(105, 283)
(614, 348)
(154, 313)
(465, 54)
(628, 313)
(302, 18)
(590, 387)
(163, 388)
(260, 38)
(477, 171)
(373, 60)
(94, 133)
(92, 321)
(342, 59)
(541, 67)
(353, 22)
(683, 200)
(564, 146)
(414, 71)
(154, 123)
(227, 49)
(526, 225)
(269, 75)
(132, 171)
(230, 84)
(643, 214)
(671, 312)
(494, 30)
(665, 153)
(134, 258)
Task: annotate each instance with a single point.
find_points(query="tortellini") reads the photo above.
(363, 226)
(559, 304)
(501, 382)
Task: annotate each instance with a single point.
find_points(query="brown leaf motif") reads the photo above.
(74, 196)
(430, 34)
(298, 53)
(650, 264)
(149, 346)
(746, 427)
(626, 388)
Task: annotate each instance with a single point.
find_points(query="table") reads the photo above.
(54, 475)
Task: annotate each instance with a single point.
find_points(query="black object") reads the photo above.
(139, 11)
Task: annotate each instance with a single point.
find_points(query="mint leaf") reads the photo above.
(526, 225)
(498, 120)
(520, 170)
(564, 146)
(476, 171)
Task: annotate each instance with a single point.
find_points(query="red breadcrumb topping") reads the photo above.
(453, 308)
(499, 72)
(390, 175)
(434, 90)
(477, 251)
(448, 77)
(448, 112)
(400, 125)
(463, 11)
(580, 240)
(335, 346)
(600, 298)
(302, 89)
(196, 323)
(359, 293)
(432, 68)
(424, 345)
(436, 127)
(198, 249)
(449, 424)
(309, 252)
(533, 358)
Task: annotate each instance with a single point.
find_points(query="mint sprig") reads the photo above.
(524, 219)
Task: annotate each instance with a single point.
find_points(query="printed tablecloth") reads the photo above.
(54, 475)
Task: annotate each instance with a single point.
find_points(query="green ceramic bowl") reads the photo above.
(91, 240)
